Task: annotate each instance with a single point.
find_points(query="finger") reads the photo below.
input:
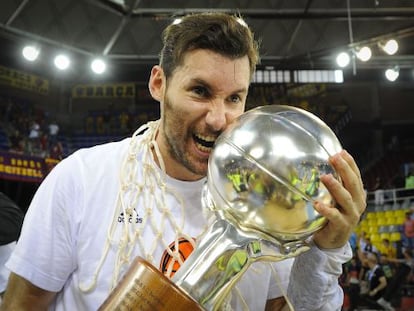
(351, 162)
(341, 195)
(345, 171)
(354, 167)
(350, 179)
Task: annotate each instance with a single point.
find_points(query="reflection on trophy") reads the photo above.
(262, 182)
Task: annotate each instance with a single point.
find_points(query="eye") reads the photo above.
(201, 91)
(235, 99)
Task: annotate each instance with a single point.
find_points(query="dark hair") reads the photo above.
(225, 34)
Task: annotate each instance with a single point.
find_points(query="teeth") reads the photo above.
(204, 143)
(203, 148)
(209, 139)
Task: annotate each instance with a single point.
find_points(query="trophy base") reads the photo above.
(145, 288)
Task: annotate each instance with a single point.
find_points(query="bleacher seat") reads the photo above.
(382, 221)
(385, 235)
(372, 229)
(400, 213)
(400, 220)
(395, 236)
(383, 229)
(393, 228)
(375, 238)
(391, 221)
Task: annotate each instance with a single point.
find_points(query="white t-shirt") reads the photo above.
(53, 129)
(66, 228)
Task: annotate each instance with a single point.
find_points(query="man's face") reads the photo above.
(201, 98)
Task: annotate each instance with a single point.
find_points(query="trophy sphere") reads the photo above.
(264, 172)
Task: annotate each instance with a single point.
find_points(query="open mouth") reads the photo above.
(204, 143)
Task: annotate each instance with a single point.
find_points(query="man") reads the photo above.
(103, 206)
(377, 282)
(408, 231)
(11, 219)
(403, 268)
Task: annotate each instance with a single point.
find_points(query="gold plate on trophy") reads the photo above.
(144, 288)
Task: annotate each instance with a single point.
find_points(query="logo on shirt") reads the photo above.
(132, 218)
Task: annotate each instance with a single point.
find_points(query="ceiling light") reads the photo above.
(177, 21)
(392, 74)
(343, 59)
(30, 53)
(364, 54)
(62, 62)
(339, 76)
(390, 47)
(98, 66)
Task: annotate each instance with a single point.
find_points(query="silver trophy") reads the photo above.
(263, 179)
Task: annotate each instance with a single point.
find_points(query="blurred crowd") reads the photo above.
(30, 130)
(377, 278)
(33, 131)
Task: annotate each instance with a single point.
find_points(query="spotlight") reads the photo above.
(392, 74)
(364, 54)
(30, 53)
(390, 47)
(343, 59)
(62, 62)
(98, 66)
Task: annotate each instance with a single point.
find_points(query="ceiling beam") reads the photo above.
(390, 14)
(16, 12)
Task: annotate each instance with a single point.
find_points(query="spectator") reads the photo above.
(388, 250)
(89, 126)
(379, 192)
(362, 242)
(408, 231)
(15, 142)
(409, 180)
(44, 144)
(409, 184)
(370, 248)
(353, 241)
(353, 269)
(34, 130)
(123, 122)
(404, 266)
(377, 282)
(56, 151)
(100, 127)
(34, 136)
(53, 131)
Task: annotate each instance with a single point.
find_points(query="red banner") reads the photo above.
(24, 168)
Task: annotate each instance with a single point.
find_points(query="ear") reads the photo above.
(156, 83)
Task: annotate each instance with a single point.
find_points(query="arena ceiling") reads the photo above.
(294, 33)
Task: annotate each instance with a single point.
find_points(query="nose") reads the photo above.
(216, 116)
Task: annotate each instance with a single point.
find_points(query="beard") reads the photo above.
(179, 138)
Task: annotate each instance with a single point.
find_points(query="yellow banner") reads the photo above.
(114, 90)
(23, 80)
(21, 167)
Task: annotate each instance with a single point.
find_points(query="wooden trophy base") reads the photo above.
(145, 288)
